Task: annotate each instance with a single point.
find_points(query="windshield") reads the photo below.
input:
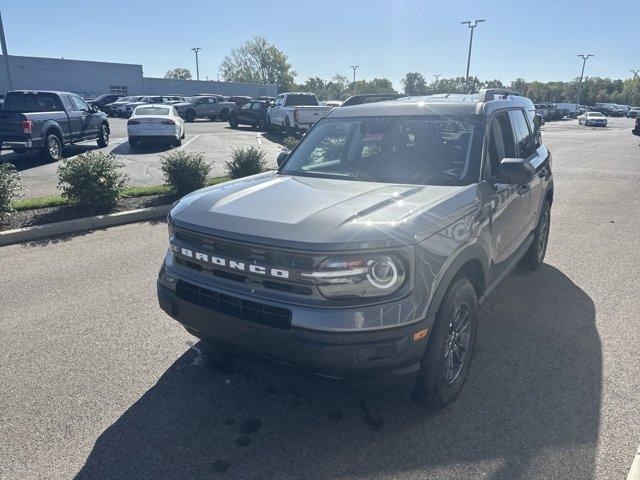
(152, 111)
(425, 150)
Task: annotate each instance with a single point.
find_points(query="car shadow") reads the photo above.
(530, 406)
(29, 160)
(143, 148)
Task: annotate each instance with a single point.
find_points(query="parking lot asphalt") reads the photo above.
(215, 139)
(96, 382)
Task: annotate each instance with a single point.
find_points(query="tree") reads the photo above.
(258, 61)
(377, 85)
(493, 84)
(178, 73)
(414, 83)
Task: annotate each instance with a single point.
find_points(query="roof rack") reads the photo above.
(498, 93)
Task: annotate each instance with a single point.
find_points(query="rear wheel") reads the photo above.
(52, 150)
(103, 136)
(190, 116)
(287, 127)
(233, 122)
(224, 114)
(534, 257)
(451, 343)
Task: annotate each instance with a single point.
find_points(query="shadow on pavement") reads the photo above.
(143, 148)
(530, 409)
(26, 161)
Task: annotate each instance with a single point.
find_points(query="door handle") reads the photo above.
(524, 188)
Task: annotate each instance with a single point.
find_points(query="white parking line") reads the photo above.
(187, 143)
(634, 472)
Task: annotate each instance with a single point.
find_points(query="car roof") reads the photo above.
(484, 101)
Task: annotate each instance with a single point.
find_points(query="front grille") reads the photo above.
(251, 311)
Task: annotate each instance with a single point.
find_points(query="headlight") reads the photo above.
(359, 276)
(169, 227)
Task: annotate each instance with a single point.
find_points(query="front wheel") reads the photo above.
(190, 116)
(534, 257)
(224, 115)
(451, 343)
(103, 136)
(233, 123)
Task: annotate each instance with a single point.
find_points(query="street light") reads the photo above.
(437, 75)
(584, 61)
(472, 27)
(355, 67)
(196, 50)
(5, 55)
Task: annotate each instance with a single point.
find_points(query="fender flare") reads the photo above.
(52, 125)
(474, 252)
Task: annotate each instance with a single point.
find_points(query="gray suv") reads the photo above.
(366, 256)
(205, 106)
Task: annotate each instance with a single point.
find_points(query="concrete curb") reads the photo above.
(37, 232)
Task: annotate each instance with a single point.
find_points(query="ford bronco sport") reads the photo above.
(366, 255)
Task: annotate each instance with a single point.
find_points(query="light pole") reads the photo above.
(472, 27)
(5, 55)
(196, 50)
(634, 87)
(355, 67)
(584, 61)
(635, 73)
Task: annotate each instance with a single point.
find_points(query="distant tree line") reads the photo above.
(259, 61)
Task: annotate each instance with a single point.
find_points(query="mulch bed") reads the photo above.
(41, 216)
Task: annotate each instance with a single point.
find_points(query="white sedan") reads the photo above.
(155, 122)
(595, 119)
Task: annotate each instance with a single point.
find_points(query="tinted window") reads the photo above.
(421, 150)
(32, 102)
(522, 133)
(501, 143)
(79, 103)
(68, 104)
(256, 106)
(301, 99)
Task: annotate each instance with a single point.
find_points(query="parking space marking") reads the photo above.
(634, 471)
(187, 143)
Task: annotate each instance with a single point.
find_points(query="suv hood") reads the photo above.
(322, 214)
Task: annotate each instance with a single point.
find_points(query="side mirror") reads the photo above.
(516, 171)
(282, 157)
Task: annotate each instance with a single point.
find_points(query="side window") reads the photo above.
(68, 104)
(256, 106)
(213, 100)
(537, 140)
(522, 133)
(80, 104)
(501, 144)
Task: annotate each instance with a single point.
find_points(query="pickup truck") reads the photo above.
(295, 112)
(46, 121)
(366, 256)
(205, 106)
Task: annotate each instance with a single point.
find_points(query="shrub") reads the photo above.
(184, 172)
(290, 142)
(92, 179)
(9, 186)
(245, 162)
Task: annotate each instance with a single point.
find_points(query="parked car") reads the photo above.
(634, 112)
(593, 119)
(46, 121)
(295, 112)
(636, 128)
(205, 106)
(173, 99)
(155, 122)
(147, 100)
(371, 98)
(366, 256)
(110, 108)
(119, 108)
(609, 109)
(253, 113)
(103, 100)
(239, 101)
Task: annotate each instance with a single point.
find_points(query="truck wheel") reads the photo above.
(233, 122)
(287, 127)
(224, 114)
(534, 257)
(451, 343)
(270, 127)
(190, 116)
(103, 136)
(52, 150)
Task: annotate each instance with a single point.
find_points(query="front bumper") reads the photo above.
(370, 359)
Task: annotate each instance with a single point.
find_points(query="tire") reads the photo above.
(183, 134)
(224, 114)
(233, 123)
(439, 381)
(133, 143)
(52, 150)
(287, 127)
(178, 141)
(190, 116)
(103, 136)
(534, 257)
(270, 127)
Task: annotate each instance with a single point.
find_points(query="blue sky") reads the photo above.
(536, 40)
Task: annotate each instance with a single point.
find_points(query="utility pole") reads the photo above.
(472, 27)
(584, 61)
(635, 87)
(355, 67)
(5, 55)
(437, 75)
(635, 73)
(196, 50)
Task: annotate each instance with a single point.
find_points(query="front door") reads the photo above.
(89, 121)
(510, 203)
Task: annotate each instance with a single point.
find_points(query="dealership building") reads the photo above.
(90, 79)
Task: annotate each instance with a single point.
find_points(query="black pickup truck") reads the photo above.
(46, 121)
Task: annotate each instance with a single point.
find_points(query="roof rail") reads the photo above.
(497, 93)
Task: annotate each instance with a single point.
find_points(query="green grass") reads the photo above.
(132, 191)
